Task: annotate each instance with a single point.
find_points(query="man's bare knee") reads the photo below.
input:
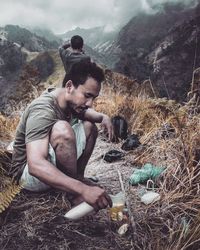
(90, 129)
(61, 131)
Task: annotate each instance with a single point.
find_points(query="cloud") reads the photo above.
(64, 15)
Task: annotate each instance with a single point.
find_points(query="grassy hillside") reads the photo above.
(170, 137)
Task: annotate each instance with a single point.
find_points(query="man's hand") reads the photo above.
(96, 197)
(106, 124)
(66, 45)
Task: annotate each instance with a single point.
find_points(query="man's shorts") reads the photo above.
(31, 183)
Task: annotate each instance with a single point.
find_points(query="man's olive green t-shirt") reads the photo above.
(35, 123)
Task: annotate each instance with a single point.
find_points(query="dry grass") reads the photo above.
(170, 134)
(8, 126)
(173, 222)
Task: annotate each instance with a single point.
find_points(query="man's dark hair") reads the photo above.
(81, 71)
(77, 42)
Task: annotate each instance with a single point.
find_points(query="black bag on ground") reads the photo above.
(113, 155)
(131, 142)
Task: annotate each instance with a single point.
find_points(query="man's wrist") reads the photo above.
(80, 186)
(104, 116)
(100, 117)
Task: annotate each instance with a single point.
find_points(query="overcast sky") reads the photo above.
(64, 15)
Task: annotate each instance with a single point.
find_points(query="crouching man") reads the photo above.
(56, 136)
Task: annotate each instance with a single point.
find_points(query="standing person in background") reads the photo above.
(72, 53)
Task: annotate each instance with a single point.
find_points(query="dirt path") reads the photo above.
(35, 221)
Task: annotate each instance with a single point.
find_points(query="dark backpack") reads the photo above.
(120, 127)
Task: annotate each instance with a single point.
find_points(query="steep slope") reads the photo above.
(162, 46)
(11, 61)
(46, 33)
(175, 58)
(25, 63)
(27, 39)
(22, 82)
(21, 75)
(11, 57)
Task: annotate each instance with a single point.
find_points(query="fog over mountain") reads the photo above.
(158, 43)
(64, 15)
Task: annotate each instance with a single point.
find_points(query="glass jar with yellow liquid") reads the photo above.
(118, 202)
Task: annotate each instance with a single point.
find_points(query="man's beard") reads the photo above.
(76, 113)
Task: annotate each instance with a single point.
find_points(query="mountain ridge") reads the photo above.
(164, 48)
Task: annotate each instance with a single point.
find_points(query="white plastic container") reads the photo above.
(150, 197)
(79, 211)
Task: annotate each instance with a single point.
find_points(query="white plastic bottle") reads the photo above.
(79, 211)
